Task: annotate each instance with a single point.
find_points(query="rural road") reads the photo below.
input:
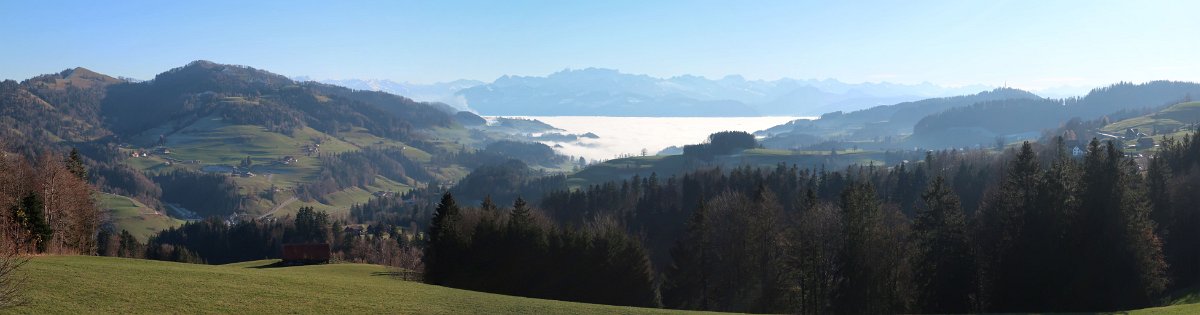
(280, 206)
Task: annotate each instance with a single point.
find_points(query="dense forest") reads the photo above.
(209, 194)
(1031, 230)
(530, 153)
(518, 252)
(721, 143)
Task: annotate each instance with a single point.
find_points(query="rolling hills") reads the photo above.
(1168, 120)
(983, 122)
(981, 119)
(207, 117)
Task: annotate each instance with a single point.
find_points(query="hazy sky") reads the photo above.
(1030, 44)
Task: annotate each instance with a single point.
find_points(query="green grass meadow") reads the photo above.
(135, 217)
(105, 285)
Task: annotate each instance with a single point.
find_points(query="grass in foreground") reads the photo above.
(104, 285)
(1167, 310)
(92, 285)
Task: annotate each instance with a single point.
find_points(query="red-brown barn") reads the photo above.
(303, 254)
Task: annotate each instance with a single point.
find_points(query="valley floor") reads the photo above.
(103, 285)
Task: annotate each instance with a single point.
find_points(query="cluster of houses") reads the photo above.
(159, 151)
(286, 160)
(1141, 140)
(383, 194)
(171, 161)
(241, 172)
(311, 149)
(1144, 141)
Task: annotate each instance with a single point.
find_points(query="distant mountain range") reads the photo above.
(441, 92)
(607, 92)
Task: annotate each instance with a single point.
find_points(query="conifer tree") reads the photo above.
(687, 285)
(29, 214)
(520, 214)
(1122, 259)
(445, 241)
(870, 284)
(944, 265)
(487, 204)
(75, 165)
(1002, 219)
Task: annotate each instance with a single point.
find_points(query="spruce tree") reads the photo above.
(686, 285)
(487, 205)
(1122, 265)
(869, 284)
(445, 243)
(1002, 219)
(944, 265)
(75, 165)
(520, 214)
(30, 215)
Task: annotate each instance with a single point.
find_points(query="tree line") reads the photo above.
(215, 241)
(1033, 229)
(518, 252)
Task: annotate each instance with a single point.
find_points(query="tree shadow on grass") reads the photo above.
(406, 275)
(277, 264)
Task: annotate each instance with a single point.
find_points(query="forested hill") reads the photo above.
(1004, 114)
(54, 107)
(910, 112)
(192, 141)
(983, 122)
(881, 121)
(251, 96)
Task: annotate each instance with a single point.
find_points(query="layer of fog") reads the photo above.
(630, 135)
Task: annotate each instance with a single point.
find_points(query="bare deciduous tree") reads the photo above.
(16, 242)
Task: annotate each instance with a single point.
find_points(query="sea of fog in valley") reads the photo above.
(629, 135)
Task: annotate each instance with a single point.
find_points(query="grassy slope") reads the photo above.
(131, 215)
(91, 285)
(215, 143)
(1175, 116)
(339, 202)
(1171, 310)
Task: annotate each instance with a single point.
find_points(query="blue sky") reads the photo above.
(1031, 44)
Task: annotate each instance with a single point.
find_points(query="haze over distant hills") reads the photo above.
(608, 92)
(442, 92)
